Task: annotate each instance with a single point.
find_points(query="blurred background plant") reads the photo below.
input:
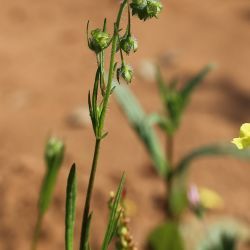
(54, 154)
(175, 99)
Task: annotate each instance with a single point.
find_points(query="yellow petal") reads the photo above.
(245, 130)
(210, 199)
(243, 141)
(238, 143)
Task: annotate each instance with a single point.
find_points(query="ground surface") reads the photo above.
(46, 70)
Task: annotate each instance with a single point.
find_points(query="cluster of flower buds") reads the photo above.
(126, 72)
(146, 9)
(99, 40)
(124, 239)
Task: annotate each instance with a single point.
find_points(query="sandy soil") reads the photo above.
(46, 70)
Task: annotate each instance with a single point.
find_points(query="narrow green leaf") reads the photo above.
(113, 216)
(162, 87)
(104, 25)
(143, 127)
(70, 208)
(211, 150)
(195, 82)
(162, 121)
(95, 90)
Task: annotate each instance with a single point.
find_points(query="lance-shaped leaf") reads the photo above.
(70, 208)
(194, 82)
(113, 216)
(54, 153)
(175, 100)
(93, 104)
(211, 150)
(142, 124)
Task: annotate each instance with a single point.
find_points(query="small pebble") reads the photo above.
(79, 118)
(147, 70)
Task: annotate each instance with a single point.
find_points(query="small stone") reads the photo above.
(79, 118)
(147, 70)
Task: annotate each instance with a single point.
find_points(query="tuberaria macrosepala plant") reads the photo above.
(99, 40)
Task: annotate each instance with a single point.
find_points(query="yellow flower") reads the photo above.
(243, 141)
(209, 199)
(204, 198)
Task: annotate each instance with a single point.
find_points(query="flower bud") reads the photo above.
(126, 72)
(54, 152)
(139, 8)
(154, 8)
(129, 44)
(140, 3)
(99, 40)
(146, 9)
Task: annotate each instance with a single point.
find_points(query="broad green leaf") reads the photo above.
(70, 208)
(166, 237)
(211, 150)
(113, 216)
(142, 124)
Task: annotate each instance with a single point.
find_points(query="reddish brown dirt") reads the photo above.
(46, 70)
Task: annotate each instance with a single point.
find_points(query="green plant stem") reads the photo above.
(170, 150)
(83, 239)
(111, 66)
(89, 194)
(37, 231)
(169, 179)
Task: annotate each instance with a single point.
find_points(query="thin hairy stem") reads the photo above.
(89, 195)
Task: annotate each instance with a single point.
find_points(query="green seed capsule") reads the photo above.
(154, 8)
(139, 3)
(126, 72)
(129, 44)
(99, 40)
(146, 9)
